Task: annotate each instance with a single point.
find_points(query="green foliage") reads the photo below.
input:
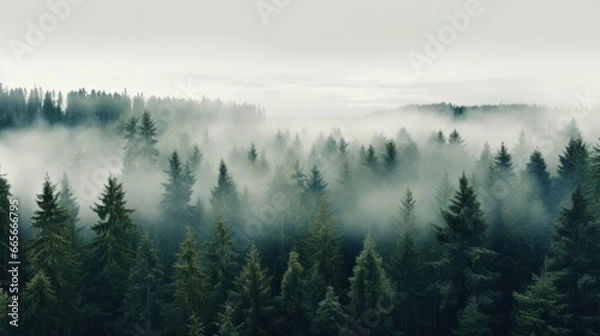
(40, 315)
(541, 309)
(290, 303)
(143, 297)
(5, 195)
(330, 318)
(575, 257)
(147, 142)
(472, 321)
(190, 287)
(224, 324)
(252, 299)
(225, 199)
(463, 265)
(371, 292)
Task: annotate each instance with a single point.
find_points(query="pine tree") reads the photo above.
(330, 318)
(148, 152)
(110, 258)
(541, 309)
(52, 252)
(464, 260)
(190, 287)
(143, 297)
(40, 306)
(251, 297)
(575, 256)
(315, 188)
(221, 263)
(593, 180)
(503, 164)
(225, 199)
(290, 302)
(455, 138)
(370, 290)
(370, 162)
(132, 145)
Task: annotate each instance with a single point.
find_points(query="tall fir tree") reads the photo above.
(538, 176)
(390, 159)
(147, 148)
(575, 257)
(110, 256)
(5, 224)
(40, 306)
(371, 292)
(252, 299)
(541, 309)
(290, 302)
(225, 198)
(51, 251)
(464, 261)
(190, 287)
(143, 302)
(572, 168)
(330, 318)
(224, 324)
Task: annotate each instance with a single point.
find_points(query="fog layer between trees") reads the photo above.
(205, 217)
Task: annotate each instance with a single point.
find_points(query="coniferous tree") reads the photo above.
(225, 199)
(196, 327)
(40, 306)
(252, 153)
(4, 326)
(195, 158)
(315, 188)
(464, 260)
(110, 258)
(592, 190)
(52, 252)
(541, 309)
(221, 264)
(68, 201)
(147, 150)
(224, 324)
(132, 145)
(330, 318)
(572, 168)
(371, 292)
(390, 159)
(175, 207)
(370, 162)
(143, 297)
(537, 172)
(407, 269)
(290, 302)
(323, 247)
(5, 223)
(575, 257)
(455, 138)
(251, 297)
(190, 287)
(472, 320)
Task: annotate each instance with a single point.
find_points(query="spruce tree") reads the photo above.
(371, 292)
(5, 223)
(148, 152)
(196, 327)
(251, 297)
(68, 201)
(472, 320)
(323, 246)
(175, 206)
(221, 264)
(224, 324)
(111, 254)
(52, 252)
(572, 168)
(539, 178)
(541, 309)
(464, 260)
(195, 158)
(40, 306)
(330, 318)
(407, 269)
(290, 302)
(190, 287)
(252, 153)
(575, 257)
(225, 199)
(4, 326)
(315, 189)
(390, 159)
(143, 296)
(592, 190)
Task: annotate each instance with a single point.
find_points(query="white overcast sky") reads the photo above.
(333, 57)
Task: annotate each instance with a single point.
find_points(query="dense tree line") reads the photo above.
(505, 250)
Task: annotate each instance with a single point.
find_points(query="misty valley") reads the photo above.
(124, 214)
